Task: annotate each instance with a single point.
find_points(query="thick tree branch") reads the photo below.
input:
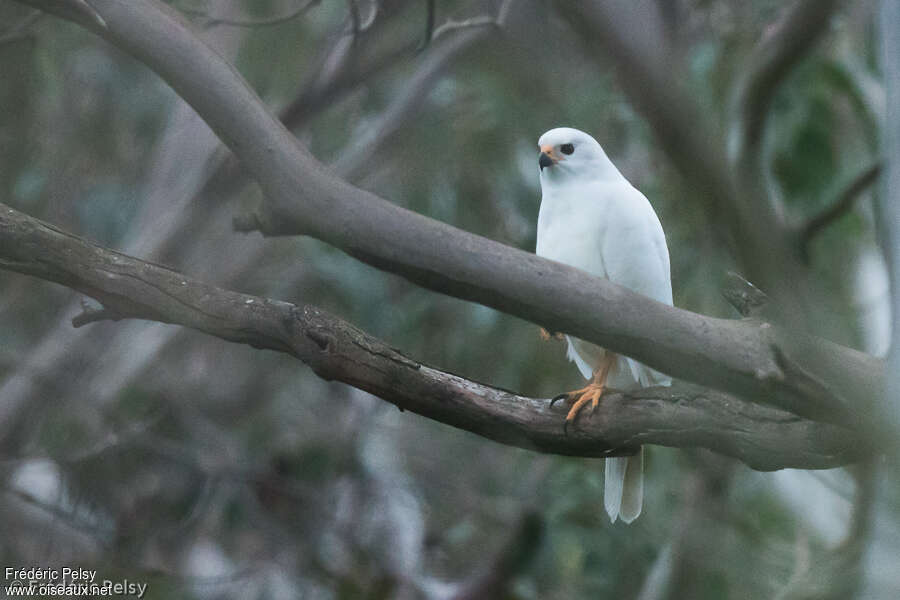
(743, 357)
(683, 415)
(226, 178)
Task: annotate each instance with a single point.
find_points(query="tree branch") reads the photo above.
(208, 20)
(432, 67)
(645, 70)
(680, 416)
(841, 205)
(772, 59)
(888, 206)
(304, 197)
(625, 32)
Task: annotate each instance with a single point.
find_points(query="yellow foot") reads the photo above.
(546, 335)
(577, 399)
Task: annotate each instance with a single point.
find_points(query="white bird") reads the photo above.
(593, 219)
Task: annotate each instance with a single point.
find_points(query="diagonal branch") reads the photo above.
(401, 108)
(680, 416)
(845, 201)
(208, 20)
(206, 209)
(304, 197)
(802, 26)
(694, 144)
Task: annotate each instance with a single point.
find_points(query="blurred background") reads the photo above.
(213, 470)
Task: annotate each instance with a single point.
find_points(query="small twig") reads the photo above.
(93, 314)
(473, 22)
(70, 519)
(354, 17)
(407, 102)
(842, 204)
(745, 297)
(210, 21)
(429, 24)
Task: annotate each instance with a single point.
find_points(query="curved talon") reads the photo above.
(590, 393)
(577, 400)
(556, 399)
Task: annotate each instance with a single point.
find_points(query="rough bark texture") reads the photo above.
(681, 416)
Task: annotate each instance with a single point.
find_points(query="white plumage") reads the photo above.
(593, 219)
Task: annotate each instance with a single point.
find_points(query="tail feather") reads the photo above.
(624, 480)
(633, 492)
(614, 485)
(624, 487)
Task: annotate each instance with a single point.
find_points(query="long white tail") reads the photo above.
(623, 494)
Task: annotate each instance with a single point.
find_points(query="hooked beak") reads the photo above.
(545, 161)
(547, 158)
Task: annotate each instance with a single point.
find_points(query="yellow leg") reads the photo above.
(590, 393)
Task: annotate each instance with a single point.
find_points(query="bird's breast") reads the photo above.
(572, 232)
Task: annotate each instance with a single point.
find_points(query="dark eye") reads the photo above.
(567, 148)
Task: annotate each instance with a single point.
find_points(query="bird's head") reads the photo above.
(567, 152)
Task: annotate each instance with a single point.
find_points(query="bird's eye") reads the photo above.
(567, 148)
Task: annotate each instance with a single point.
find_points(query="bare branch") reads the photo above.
(304, 197)
(653, 87)
(91, 314)
(680, 416)
(745, 297)
(429, 23)
(842, 204)
(207, 20)
(482, 21)
(802, 26)
(407, 102)
(654, 83)
(337, 73)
